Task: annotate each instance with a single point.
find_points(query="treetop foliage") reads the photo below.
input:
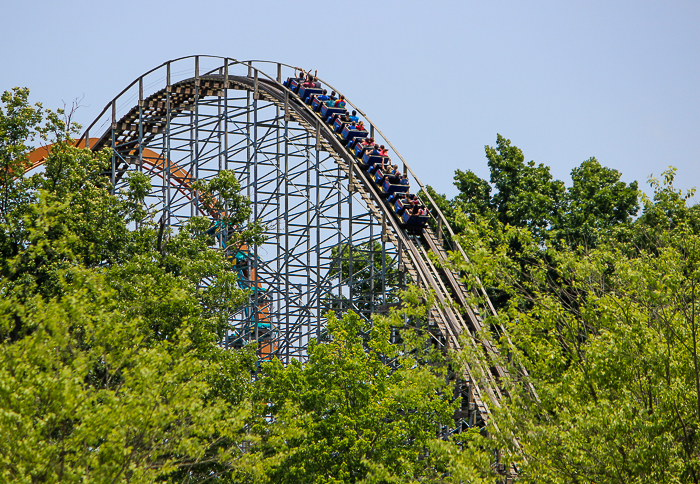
(526, 195)
(364, 409)
(110, 363)
(601, 310)
(108, 359)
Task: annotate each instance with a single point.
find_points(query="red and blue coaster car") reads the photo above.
(306, 92)
(339, 124)
(378, 176)
(290, 80)
(316, 105)
(349, 134)
(390, 187)
(371, 159)
(294, 85)
(360, 148)
(386, 185)
(327, 112)
(414, 220)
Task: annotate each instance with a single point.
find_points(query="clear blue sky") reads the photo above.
(564, 81)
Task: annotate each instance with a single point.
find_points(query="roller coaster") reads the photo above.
(341, 230)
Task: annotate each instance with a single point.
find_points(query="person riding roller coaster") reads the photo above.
(365, 145)
(299, 77)
(376, 156)
(331, 100)
(310, 82)
(323, 97)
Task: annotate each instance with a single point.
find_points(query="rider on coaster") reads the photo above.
(331, 100)
(310, 80)
(321, 97)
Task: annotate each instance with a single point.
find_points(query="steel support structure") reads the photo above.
(298, 191)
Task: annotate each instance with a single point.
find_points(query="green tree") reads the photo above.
(109, 324)
(663, 214)
(596, 202)
(86, 398)
(609, 336)
(526, 195)
(474, 193)
(19, 122)
(363, 410)
(596, 206)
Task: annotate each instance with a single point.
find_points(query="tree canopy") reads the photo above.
(110, 364)
(601, 309)
(523, 194)
(365, 409)
(110, 324)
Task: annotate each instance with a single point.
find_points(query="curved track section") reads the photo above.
(332, 241)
